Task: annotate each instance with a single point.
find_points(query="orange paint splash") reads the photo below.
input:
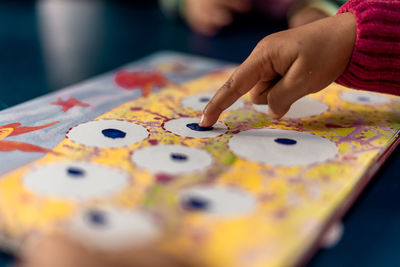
(14, 129)
(25, 129)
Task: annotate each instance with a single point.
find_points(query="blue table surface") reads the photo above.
(47, 45)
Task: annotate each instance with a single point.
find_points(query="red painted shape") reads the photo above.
(350, 158)
(153, 142)
(331, 125)
(25, 129)
(140, 80)
(163, 178)
(70, 103)
(6, 146)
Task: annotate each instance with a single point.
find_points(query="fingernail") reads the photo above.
(201, 120)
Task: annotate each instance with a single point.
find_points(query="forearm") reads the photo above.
(375, 62)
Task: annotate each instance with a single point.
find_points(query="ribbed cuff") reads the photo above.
(375, 62)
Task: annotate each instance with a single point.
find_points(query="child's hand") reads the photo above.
(209, 16)
(288, 65)
(60, 251)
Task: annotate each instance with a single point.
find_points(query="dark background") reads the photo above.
(47, 45)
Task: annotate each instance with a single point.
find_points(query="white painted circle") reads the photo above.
(178, 127)
(364, 98)
(91, 133)
(265, 146)
(199, 102)
(75, 180)
(221, 201)
(171, 159)
(108, 228)
(302, 108)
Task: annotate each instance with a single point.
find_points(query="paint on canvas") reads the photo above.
(141, 167)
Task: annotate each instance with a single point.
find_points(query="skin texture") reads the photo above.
(60, 251)
(288, 65)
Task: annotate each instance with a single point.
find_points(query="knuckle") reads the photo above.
(229, 89)
(227, 85)
(297, 81)
(262, 47)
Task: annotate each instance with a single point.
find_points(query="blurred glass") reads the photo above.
(70, 32)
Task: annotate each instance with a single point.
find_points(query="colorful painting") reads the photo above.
(249, 191)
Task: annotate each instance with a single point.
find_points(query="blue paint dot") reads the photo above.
(96, 217)
(197, 127)
(363, 99)
(204, 99)
(285, 141)
(196, 203)
(75, 172)
(113, 133)
(179, 157)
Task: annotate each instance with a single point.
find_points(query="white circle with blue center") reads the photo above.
(302, 108)
(199, 102)
(112, 229)
(171, 159)
(220, 201)
(75, 180)
(188, 127)
(107, 133)
(282, 147)
(364, 98)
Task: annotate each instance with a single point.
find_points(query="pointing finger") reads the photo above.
(240, 82)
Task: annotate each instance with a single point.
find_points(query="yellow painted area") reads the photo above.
(293, 202)
(4, 132)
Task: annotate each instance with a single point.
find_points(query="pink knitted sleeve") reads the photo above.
(375, 63)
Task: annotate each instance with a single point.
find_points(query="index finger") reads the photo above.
(240, 82)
